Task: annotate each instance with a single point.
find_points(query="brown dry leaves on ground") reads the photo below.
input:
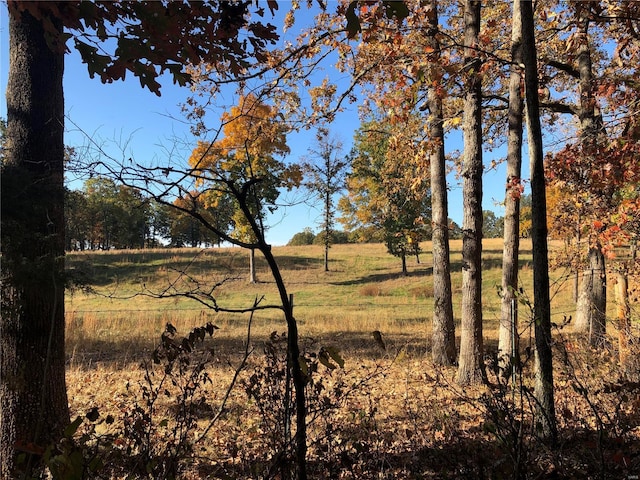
(386, 415)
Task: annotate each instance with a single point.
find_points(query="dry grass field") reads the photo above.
(389, 413)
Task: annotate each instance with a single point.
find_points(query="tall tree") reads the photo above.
(544, 391)
(185, 230)
(471, 364)
(33, 403)
(325, 178)
(507, 339)
(33, 396)
(381, 190)
(592, 301)
(253, 140)
(77, 220)
(443, 342)
(119, 214)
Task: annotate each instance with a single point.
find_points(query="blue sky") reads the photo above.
(131, 122)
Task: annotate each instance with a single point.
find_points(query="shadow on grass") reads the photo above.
(354, 346)
(381, 277)
(137, 266)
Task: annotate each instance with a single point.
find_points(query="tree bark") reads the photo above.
(596, 297)
(543, 362)
(507, 344)
(443, 344)
(327, 223)
(592, 300)
(252, 266)
(624, 322)
(471, 366)
(33, 398)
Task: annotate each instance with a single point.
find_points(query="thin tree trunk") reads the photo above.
(443, 344)
(624, 322)
(327, 229)
(252, 266)
(591, 306)
(598, 295)
(576, 276)
(471, 366)
(293, 346)
(510, 254)
(543, 362)
(583, 306)
(33, 397)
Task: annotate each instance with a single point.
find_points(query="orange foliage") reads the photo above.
(253, 134)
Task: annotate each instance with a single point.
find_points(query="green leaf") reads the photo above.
(96, 464)
(323, 358)
(72, 428)
(304, 366)
(334, 354)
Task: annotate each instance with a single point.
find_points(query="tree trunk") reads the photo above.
(327, 229)
(543, 362)
(592, 301)
(507, 344)
(293, 346)
(443, 344)
(624, 325)
(33, 398)
(471, 366)
(252, 266)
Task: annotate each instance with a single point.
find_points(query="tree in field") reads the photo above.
(324, 178)
(492, 226)
(77, 220)
(119, 215)
(471, 364)
(381, 191)
(158, 223)
(253, 138)
(150, 38)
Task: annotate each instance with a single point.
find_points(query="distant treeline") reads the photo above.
(493, 227)
(105, 216)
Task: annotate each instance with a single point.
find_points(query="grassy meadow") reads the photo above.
(363, 291)
(394, 415)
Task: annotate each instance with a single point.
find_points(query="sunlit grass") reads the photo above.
(363, 291)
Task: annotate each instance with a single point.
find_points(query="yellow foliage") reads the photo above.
(253, 134)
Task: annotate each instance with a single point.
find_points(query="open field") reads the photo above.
(388, 413)
(364, 291)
